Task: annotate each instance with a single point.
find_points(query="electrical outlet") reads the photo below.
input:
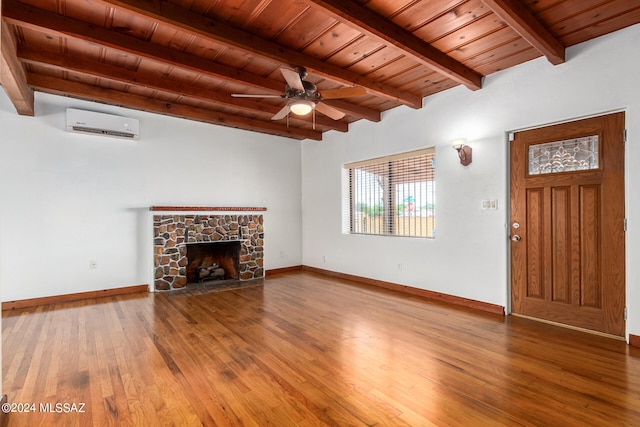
(281, 254)
(400, 267)
(93, 264)
(324, 258)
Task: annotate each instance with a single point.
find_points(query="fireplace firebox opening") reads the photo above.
(213, 261)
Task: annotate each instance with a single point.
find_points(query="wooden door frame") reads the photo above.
(508, 138)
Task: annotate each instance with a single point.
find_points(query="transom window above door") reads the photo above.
(564, 156)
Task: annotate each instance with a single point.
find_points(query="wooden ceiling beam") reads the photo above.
(113, 73)
(354, 110)
(53, 24)
(128, 100)
(184, 20)
(523, 22)
(12, 74)
(369, 22)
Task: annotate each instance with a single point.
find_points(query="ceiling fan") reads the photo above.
(304, 96)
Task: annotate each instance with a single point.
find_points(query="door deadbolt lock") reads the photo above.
(516, 225)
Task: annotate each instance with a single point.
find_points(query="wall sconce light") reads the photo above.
(464, 151)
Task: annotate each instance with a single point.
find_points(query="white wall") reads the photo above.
(469, 257)
(67, 198)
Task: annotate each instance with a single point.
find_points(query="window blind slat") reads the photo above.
(392, 157)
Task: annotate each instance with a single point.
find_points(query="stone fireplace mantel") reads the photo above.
(172, 232)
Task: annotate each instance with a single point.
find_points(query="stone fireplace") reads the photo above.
(228, 246)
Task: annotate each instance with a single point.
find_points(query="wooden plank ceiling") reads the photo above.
(186, 58)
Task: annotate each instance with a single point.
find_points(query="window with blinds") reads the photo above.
(393, 195)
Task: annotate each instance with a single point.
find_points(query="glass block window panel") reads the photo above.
(564, 156)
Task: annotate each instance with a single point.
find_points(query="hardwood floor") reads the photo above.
(307, 350)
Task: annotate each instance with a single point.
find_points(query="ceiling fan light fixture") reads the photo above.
(301, 108)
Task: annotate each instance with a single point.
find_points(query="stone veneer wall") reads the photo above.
(173, 232)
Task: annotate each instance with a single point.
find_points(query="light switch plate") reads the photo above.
(490, 204)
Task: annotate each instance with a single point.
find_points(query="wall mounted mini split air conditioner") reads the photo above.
(90, 122)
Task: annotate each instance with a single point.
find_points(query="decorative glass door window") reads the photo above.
(564, 156)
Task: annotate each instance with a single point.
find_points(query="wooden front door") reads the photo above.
(567, 224)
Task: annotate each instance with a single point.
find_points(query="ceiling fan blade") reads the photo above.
(281, 114)
(293, 79)
(329, 111)
(249, 95)
(343, 92)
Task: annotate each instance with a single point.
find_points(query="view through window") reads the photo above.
(393, 195)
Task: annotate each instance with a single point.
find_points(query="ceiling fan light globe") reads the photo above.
(301, 108)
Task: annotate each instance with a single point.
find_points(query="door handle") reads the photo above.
(515, 238)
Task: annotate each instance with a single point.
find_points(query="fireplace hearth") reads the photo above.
(227, 247)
